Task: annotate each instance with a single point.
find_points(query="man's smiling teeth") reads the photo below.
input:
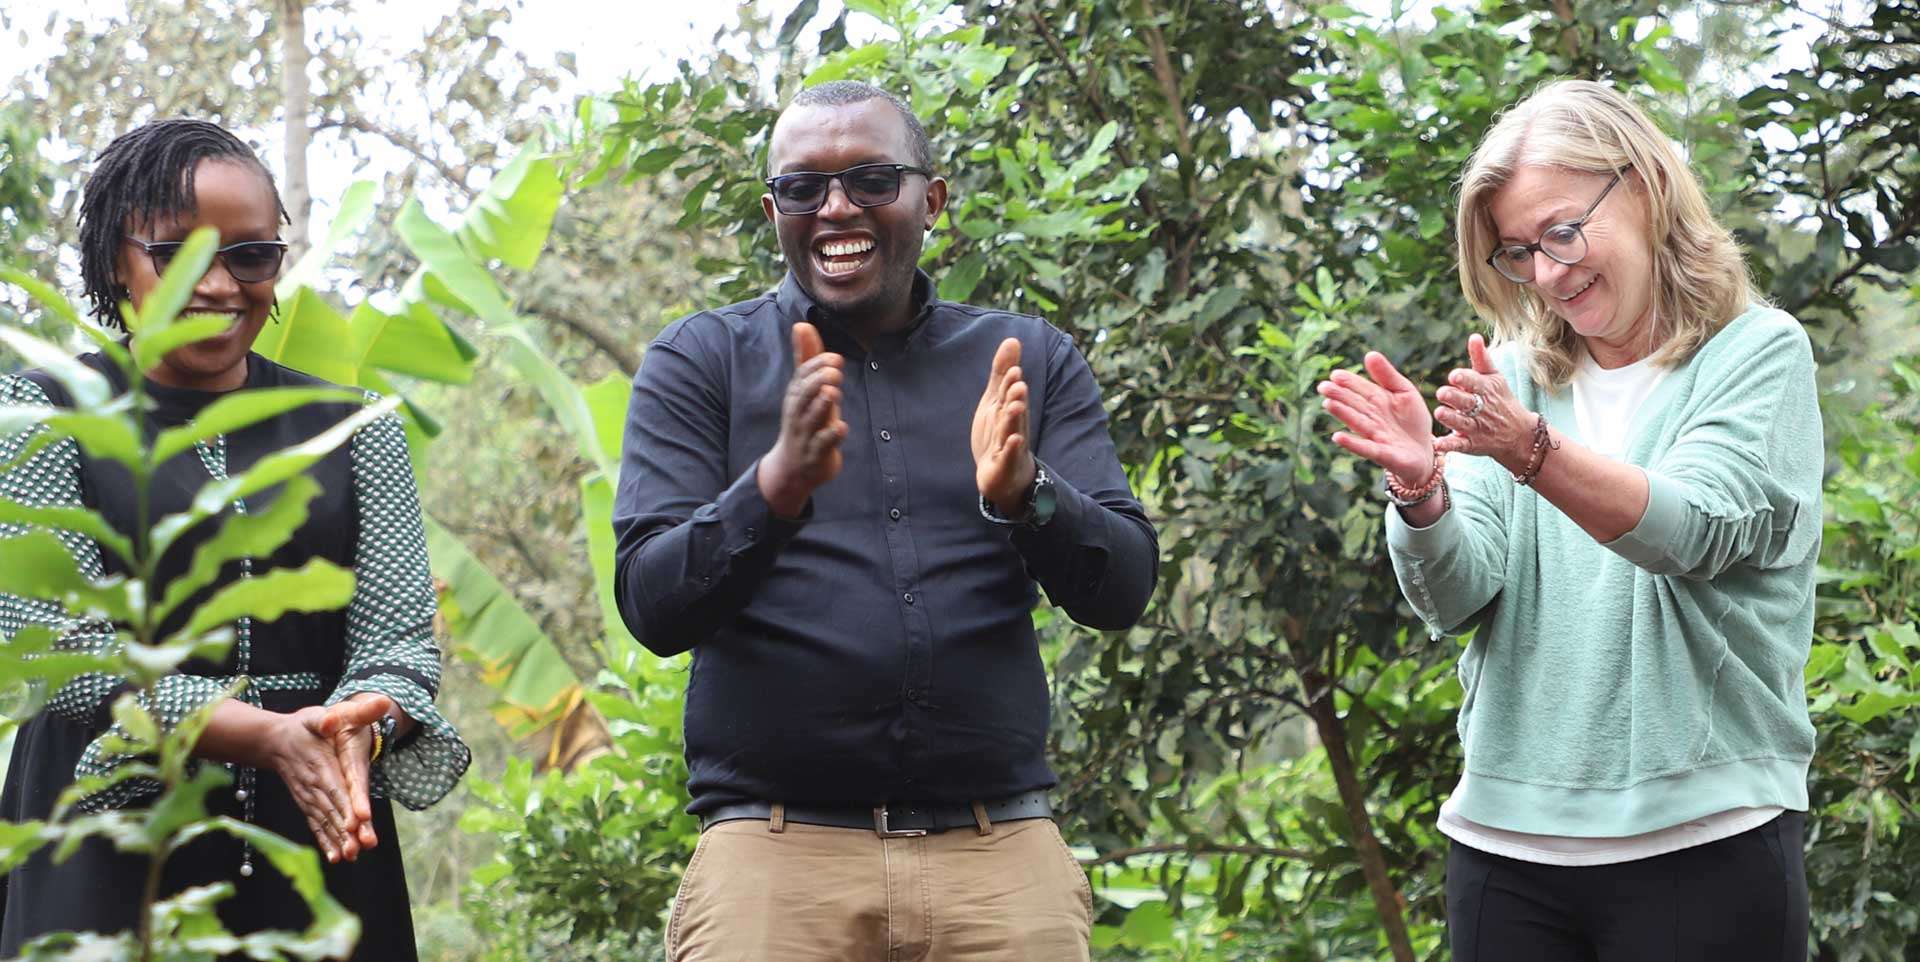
(1582, 290)
(845, 248)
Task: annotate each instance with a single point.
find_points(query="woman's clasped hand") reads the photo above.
(1389, 423)
(325, 755)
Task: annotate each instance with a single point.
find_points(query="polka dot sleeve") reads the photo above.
(390, 648)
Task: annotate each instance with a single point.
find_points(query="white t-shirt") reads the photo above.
(1605, 403)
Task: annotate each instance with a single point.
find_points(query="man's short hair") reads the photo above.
(842, 93)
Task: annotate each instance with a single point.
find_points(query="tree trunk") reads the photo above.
(1373, 862)
(295, 95)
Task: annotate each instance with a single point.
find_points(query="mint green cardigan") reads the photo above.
(1619, 688)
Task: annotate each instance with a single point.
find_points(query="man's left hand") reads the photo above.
(1003, 460)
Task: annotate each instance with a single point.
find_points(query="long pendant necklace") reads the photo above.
(213, 456)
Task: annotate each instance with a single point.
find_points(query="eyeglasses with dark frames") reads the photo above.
(867, 185)
(250, 262)
(1564, 242)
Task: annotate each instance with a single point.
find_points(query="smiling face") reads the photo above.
(857, 262)
(237, 200)
(1607, 298)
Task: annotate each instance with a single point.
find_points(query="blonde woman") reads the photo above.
(1626, 512)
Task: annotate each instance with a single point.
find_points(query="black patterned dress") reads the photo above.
(367, 518)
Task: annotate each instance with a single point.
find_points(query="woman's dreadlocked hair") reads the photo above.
(146, 174)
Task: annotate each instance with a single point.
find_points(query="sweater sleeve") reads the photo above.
(1741, 482)
(390, 648)
(1453, 568)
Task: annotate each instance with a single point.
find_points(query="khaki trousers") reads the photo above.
(812, 893)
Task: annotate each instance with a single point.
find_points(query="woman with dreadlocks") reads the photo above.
(337, 716)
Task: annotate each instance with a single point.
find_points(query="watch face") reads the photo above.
(1044, 499)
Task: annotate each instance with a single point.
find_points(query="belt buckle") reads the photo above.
(881, 828)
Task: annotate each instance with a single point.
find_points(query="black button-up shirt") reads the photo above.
(880, 649)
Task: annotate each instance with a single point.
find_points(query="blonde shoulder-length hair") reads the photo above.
(1700, 280)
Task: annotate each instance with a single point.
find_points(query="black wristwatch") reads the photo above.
(383, 735)
(1041, 500)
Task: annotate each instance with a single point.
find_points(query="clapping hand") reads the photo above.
(807, 453)
(1003, 462)
(1386, 417)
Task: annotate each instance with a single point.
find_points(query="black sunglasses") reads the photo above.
(1564, 242)
(250, 262)
(868, 185)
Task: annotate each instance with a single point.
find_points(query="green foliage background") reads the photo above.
(1222, 201)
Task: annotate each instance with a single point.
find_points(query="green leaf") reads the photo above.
(151, 346)
(958, 281)
(163, 303)
(1149, 926)
(451, 277)
(133, 718)
(334, 930)
(240, 409)
(517, 659)
(511, 218)
(44, 294)
(37, 565)
(559, 391)
(18, 841)
(354, 212)
(85, 385)
(803, 12)
(415, 342)
(107, 436)
(184, 803)
(312, 337)
(256, 534)
(318, 585)
(78, 520)
(847, 63)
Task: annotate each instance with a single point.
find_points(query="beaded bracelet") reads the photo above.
(1542, 443)
(1406, 497)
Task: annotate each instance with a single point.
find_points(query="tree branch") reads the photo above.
(457, 176)
(606, 341)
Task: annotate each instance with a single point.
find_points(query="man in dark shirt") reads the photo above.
(839, 497)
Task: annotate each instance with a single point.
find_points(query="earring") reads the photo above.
(273, 313)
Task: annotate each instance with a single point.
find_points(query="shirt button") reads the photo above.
(913, 695)
(886, 435)
(908, 597)
(875, 365)
(752, 533)
(894, 514)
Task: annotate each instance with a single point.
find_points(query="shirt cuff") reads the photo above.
(1432, 541)
(747, 523)
(1648, 544)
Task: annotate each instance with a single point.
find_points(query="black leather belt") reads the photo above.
(893, 820)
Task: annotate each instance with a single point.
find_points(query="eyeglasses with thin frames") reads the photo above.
(250, 262)
(1564, 242)
(866, 185)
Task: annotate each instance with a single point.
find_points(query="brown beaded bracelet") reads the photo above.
(1407, 497)
(1542, 443)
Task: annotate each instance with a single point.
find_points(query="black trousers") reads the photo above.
(1742, 898)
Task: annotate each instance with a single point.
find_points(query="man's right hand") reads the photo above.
(807, 454)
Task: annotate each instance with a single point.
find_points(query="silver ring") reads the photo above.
(1479, 402)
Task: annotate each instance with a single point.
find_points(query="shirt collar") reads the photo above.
(796, 306)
